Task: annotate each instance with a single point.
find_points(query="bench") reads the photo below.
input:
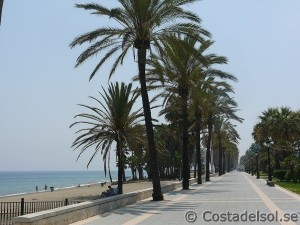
(270, 183)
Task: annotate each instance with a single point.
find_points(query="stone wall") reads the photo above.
(73, 213)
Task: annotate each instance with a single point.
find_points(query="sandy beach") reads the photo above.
(82, 193)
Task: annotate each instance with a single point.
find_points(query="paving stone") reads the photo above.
(230, 193)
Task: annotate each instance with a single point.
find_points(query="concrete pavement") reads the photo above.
(234, 198)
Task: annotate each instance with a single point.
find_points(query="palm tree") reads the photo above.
(263, 129)
(200, 94)
(113, 122)
(173, 137)
(176, 70)
(206, 94)
(143, 23)
(196, 112)
(1, 6)
(218, 103)
(182, 67)
(226, 134)
(282, 126)
(196, 103)
(207, 90)
(232, 152)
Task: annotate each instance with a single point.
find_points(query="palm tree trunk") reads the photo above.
(1, 6)
(198, 149)
(109, 173)
(220, 153)
(195, 165)
(212, 165)
(185, 142)
(224, 162)
(140, 168)
(207, 178)
(140, 171)
(123, 173)
(120, 167)
(157, 194)
(228, 163)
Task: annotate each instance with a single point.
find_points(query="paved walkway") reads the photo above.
(236, 196)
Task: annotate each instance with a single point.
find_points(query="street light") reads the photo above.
(268, 145)
(257, 171)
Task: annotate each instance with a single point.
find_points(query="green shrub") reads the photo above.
(292, 163)
(280, 174)
(289, 175)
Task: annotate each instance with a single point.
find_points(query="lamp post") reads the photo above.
(257, 171)
(268, 144)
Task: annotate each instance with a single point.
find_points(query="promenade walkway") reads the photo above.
(236, 196)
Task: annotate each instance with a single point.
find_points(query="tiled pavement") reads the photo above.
(233, 196)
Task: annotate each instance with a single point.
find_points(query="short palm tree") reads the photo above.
(282, 126)
(114, 122)
(143, 24)
(264, 129)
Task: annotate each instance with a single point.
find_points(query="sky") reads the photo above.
(40, 89)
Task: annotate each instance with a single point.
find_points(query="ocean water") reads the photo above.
(25, 182)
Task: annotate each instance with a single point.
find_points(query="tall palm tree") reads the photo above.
(232, 152)
(210, 90)
(205, 85)
(177, 70)
(172, 114)
(1, 7)
(218, 103)
(226, 133)
(198, 95)
(113, 122)
(143, 23)
(182, 67)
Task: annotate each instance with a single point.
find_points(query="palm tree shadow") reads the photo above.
(167, 205)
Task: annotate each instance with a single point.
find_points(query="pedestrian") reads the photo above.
(46, 187)
(36, 188)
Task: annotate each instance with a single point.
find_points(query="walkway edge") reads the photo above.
(288, 192)
(77, 212)
(268, 202)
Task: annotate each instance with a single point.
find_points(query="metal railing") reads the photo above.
(9, 210)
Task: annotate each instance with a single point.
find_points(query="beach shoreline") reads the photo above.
(84, 192)
(54, 189)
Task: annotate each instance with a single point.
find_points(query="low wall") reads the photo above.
(73, 213)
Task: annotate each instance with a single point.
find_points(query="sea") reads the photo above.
(15, 183)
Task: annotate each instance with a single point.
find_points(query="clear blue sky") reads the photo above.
(40, 89)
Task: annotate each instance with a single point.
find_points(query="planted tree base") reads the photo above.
(157, 197)
(270, 183)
